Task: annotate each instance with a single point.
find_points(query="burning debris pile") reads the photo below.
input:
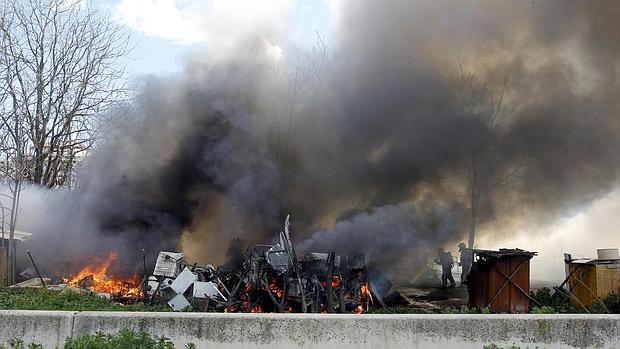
(270, 278)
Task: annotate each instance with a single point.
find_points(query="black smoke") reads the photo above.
(367, 149)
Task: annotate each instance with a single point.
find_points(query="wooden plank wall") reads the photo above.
(487, 281)
(586, 273)
(608, 279)
(3, 267)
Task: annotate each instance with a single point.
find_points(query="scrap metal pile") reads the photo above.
(270, 278)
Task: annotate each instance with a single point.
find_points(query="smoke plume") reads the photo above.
(365, 144)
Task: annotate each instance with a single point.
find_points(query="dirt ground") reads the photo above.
(434, 300)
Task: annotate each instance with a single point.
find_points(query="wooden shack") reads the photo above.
(500, 280)
(588, 279)
(19, 237)
(4, 268)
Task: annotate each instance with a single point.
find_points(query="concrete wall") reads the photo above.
(210, 330)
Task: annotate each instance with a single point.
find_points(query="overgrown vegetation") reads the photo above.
(543, 310)
(125, 339)
(552, 302)
(42, 299)
(611, 302)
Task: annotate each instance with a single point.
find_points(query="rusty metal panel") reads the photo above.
(519, 302)
(490, 288)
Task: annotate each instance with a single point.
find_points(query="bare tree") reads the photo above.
(13, 166)
(307, 77)
(60, 68)
(485, 168)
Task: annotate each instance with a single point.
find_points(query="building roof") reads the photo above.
(593, 261)
(19, 235)
(503, 252)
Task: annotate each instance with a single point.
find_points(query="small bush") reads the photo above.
(550, 302)
(124, 339)
(611, 302)
(543, 310)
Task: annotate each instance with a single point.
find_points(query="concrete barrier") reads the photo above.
(49, 328)
(210, 330)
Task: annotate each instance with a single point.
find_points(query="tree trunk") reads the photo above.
(12, 224)
(474, 200)
(472, 222)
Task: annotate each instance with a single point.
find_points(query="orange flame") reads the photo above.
(101, 282)
(335, 282)
(365, 292)
(365, 297)
(275, 288)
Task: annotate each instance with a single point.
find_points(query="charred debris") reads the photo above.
(271, 278)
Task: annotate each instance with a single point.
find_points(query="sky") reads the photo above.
(166, 32)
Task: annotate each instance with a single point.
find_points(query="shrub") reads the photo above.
(124, 339)
(550, 302)
(543, 310)
(611, 302)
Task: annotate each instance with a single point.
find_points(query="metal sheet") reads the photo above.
(278, 259)
(168, 264)
(183, 281)
(179, 302)
(204, 289)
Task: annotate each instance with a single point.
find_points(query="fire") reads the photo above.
(365, 292)
(95, 277)
(256, 309)
(275, 288)
(335, 282)
(365, 298)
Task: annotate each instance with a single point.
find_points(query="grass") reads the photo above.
(42, 299)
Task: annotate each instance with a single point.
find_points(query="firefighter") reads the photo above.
(465, 262)
(447, 262)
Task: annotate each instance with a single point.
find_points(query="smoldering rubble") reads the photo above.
(366, 142)
(271, 278)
